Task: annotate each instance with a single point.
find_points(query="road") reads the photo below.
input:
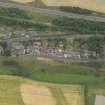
(44, 37)
(52, 12)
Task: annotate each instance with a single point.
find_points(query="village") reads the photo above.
(54, 47)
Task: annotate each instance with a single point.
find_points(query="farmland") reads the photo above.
(21, 91)
(29, 78)
(36, 94)
(9, 91)
(23, 1)
(18, 91)
(95, 5)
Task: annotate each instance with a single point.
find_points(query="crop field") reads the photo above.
(23, 1)
(10, 91)
(70, 95)
(74, 95)
(95, 94)
(18, 91)
(36, 94)
(96, 5)
(22, 91)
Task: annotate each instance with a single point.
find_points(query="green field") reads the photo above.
(60, 72)
(53, 71)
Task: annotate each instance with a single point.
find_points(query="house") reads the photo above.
(17, 49)
(69, 53)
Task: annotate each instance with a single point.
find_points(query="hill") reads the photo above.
(21, 91)
(95, 5)
(18, 91)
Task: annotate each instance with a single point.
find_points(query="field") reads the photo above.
(81, 89)
(18, 91)
(53, 71)
(23, 1)
(10, 91)
(36, 94)
(74, 95)
(69, 95)
(96, 5)
(21, 91)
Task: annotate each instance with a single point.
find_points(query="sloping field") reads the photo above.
(23, 1)
(96, 5)
(74, 95)
(10, 91)
(18, 91)
(36, 95)
(68, 95)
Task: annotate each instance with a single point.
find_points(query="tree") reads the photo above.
(7, 51)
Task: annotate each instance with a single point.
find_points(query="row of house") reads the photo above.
(58, 52)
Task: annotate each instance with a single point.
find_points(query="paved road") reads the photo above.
(52, 12)
(53, 37)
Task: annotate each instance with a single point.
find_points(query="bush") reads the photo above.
(79, 26)
(75, 10)
(9, 63)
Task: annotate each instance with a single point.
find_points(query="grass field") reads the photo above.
(96, 5)
(54, 71)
